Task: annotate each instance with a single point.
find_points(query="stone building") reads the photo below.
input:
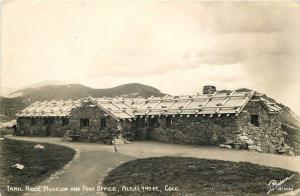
(238, 119)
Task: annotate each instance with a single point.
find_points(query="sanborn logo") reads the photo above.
(274, 185)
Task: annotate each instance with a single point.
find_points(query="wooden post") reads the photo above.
(115, 146)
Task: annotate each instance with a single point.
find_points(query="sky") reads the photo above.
(175, 46)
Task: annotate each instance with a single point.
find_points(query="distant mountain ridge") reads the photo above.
(16, 92)
(9, 106)
(77, 91)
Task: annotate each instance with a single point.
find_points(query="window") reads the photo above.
(33, 121)
(254, 120)
(84, 122)
(103, 123)
(65, 121)
(153, 122)
(48, 121)
(140, 122)
(169, 121)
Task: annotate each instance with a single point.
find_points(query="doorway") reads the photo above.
(151, 124)
(48, 122)
(48, 130)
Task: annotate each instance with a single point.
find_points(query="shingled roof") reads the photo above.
(126, 108)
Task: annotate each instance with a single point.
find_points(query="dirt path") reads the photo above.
(86, 171)
(96, 159)
(88, 168)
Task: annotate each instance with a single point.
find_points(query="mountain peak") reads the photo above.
(48, 83)
(48, 90)
(23, 90)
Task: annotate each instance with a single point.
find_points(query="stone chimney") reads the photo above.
(208, 89)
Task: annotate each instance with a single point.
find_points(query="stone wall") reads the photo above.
(203, 130)
(87, 111)
(93, 132)
(128, 129)
(40, 128)
(268, 135)
(236, 131)
(193, 130)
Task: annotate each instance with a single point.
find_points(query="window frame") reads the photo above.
(46, 121)
(254, 120)
(103, 123)
(64, 121)
(32, 122)
(84, 122)
(153, 122)
(169, 121)
(140, 123)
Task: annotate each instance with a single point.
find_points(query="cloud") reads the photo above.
(173, 45)
(254, 17)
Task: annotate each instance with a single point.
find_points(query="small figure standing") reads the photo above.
(114, 142)
(15, 127)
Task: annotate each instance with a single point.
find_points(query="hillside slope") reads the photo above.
(10, 106)
(76, 91)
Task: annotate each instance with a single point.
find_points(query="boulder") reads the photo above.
(119, 141)
(18, 166)
(127, 142)
(228, 141)
(243, 138)
(290, 152)
(258, 149)
(249, 142)
(39, 146)
(225, 146)
(251, 148)
(254, 148)
(286, 150)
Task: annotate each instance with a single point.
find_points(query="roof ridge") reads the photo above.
(217, 103)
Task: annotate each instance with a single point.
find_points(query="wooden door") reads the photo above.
(48, 130)
(151, 123)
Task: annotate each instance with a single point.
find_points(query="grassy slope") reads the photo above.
(39, 163)
(196, 176)
(291, 127)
